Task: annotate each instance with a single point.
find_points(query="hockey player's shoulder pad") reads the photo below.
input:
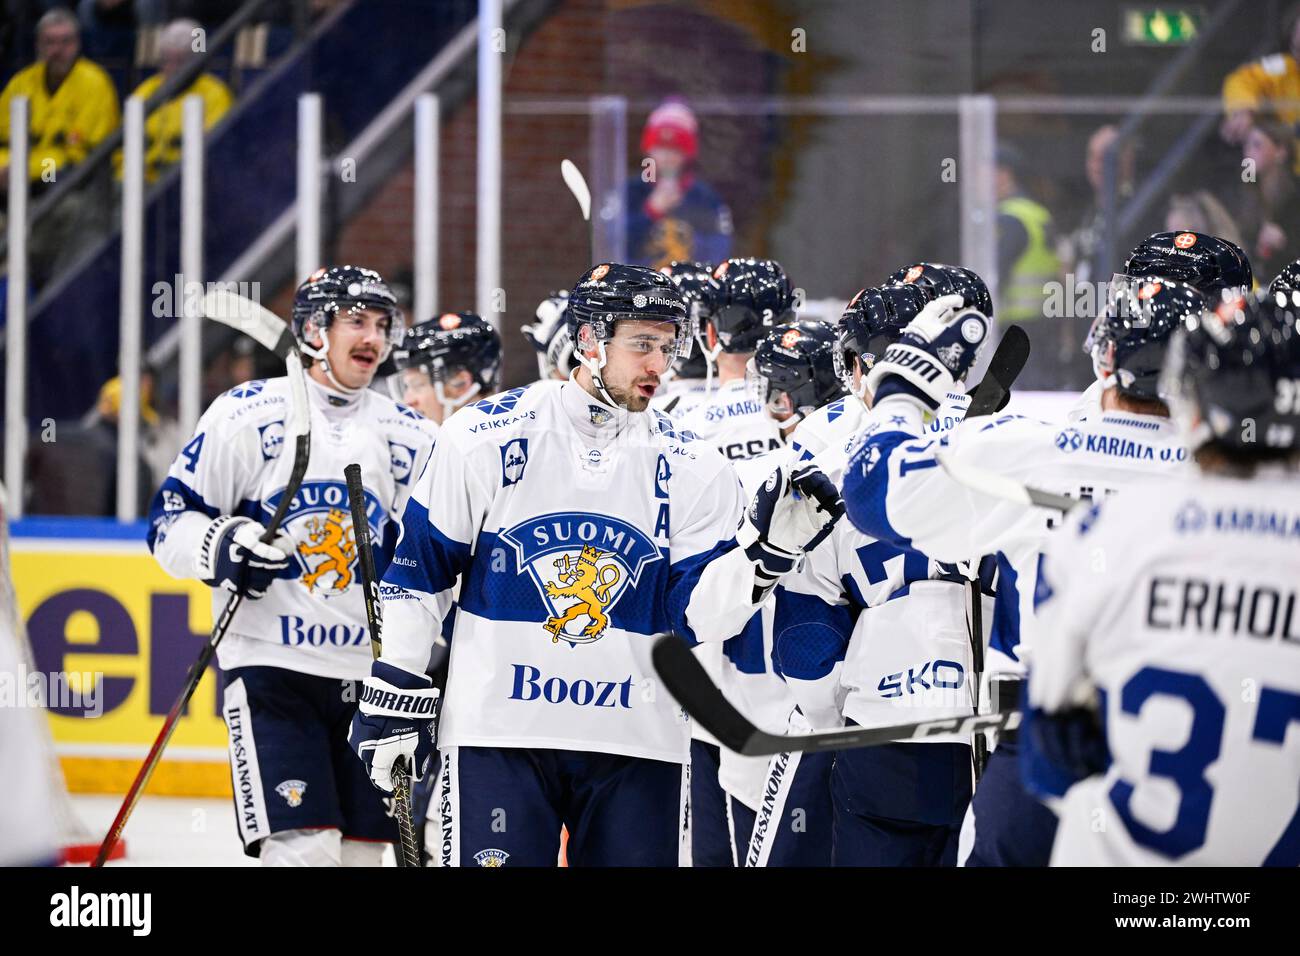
(662, 423)
(396, 418)
(255, 404)
(489, 418)
(682, 447)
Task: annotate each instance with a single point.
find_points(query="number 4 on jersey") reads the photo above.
(191, 451)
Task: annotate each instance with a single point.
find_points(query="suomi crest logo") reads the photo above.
(320, 523)
(581, 564)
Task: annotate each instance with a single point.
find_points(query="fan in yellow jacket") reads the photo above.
(162, 129)
(72, 102)
(1268, 86)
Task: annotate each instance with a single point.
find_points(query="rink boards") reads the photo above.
(99, 609)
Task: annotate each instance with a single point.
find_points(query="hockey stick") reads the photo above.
(270, 330)
(407, 849)
(690, 685)
(989, 396)
(577, 184)
(993, 390)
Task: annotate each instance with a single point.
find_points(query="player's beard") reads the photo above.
(628, 395)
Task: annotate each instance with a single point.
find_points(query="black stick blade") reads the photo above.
(690, 685)
(1008, 360)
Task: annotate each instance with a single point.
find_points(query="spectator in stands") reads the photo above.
(1269, 212)
(1081, 251)
(76, 473)
(1200, 211)
(72, 107)
(1027, 265)
(1268, 87)
(672, 213)
(162, 130)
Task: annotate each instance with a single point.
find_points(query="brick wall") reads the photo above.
(585, 47)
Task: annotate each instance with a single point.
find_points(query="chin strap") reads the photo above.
(449, 405)
(594, 366)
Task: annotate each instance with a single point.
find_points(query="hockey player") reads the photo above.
(299, 643)
(778, 809)
(877, 634)
(692, 377)
(1205, 262)
(549, 335)
(1165, 681)
(742, 300)
(756, 296)
(900, 494)
(445, 362)
(581, 525)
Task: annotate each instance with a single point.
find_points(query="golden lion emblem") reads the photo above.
(590, 584)
(331, 538)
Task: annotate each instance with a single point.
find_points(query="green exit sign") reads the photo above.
(1162, 26)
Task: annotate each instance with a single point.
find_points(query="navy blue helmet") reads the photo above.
(756, 297)
(873, 320)
(611, 291)
(1233, 375)
(341, 289)
(935, 279)
(453, 342)
(1130, 338)
(695, 281)
(798, 360)
(1205, 262)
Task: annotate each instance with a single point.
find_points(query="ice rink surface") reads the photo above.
(173, 831)
(169, 831)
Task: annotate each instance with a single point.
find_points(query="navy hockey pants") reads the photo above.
(1011, 827)
(900, 804)
(290, 761)
(504, 806)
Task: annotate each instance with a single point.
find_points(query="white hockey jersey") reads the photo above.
(734, 421)
(871, 631)
(580, 532)
(238, 462)
(1190, 630)
(681, 396)
(895, 490)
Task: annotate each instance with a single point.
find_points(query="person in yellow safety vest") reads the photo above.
(1025, 257)
(179, 41)
(72, 104)
(1026, 263)
(1268, 86)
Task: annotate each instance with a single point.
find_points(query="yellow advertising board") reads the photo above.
(100, 610)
